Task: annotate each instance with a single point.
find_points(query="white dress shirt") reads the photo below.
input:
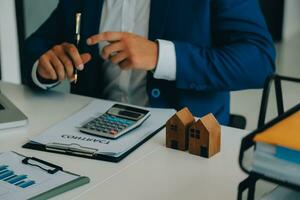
(128, 86)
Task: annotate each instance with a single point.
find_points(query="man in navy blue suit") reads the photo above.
(162, 53)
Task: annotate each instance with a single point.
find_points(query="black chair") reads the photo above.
(237, 121)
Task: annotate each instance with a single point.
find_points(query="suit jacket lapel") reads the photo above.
(158, 14)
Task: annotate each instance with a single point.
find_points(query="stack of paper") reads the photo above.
(277, 153)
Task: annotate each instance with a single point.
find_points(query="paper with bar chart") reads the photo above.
(21, 181)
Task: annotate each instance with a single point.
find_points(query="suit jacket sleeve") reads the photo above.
(49, 34)
(241, 56)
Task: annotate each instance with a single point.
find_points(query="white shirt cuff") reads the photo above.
(36, 80)
(166, 65)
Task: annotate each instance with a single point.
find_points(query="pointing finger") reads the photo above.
(106, 36)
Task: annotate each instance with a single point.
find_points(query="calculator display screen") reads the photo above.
(129, 114)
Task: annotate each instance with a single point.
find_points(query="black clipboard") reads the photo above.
(89, 154)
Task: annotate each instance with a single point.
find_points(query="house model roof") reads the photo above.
(210, 122)
(185, 116)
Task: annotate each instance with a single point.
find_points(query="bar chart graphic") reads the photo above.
(10, 177)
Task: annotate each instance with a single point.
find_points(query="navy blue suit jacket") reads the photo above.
(221, 46)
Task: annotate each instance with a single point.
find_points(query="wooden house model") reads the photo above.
(177, 130)
(205, 137)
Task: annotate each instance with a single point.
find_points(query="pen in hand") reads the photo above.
(78, 21)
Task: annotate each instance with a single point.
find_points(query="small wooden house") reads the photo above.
(205, 137)
(177, 130)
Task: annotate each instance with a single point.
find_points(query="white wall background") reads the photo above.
(291, 22)
(36, 12)
(10, 62)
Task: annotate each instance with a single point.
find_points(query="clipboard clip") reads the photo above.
(51, 168)
(71, 149)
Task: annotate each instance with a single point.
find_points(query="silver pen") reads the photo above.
(78, 22)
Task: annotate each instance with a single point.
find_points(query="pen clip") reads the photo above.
(78, 22)
(78, 25)
(71, 149)
(34, 162)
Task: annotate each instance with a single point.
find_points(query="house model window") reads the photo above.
(195, 133)
(173, 127)
(192, 133)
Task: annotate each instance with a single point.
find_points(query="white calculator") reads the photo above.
(117, 121)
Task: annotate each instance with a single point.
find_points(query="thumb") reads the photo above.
(86, 57)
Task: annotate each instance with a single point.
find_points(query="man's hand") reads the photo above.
(58, 63)
(127, 50)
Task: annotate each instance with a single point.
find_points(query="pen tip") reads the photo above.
(75, 78)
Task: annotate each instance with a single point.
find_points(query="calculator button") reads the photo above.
(113, 132)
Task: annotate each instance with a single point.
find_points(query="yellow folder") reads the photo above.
(285, 133)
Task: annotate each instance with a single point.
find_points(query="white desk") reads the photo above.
(151, 172)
